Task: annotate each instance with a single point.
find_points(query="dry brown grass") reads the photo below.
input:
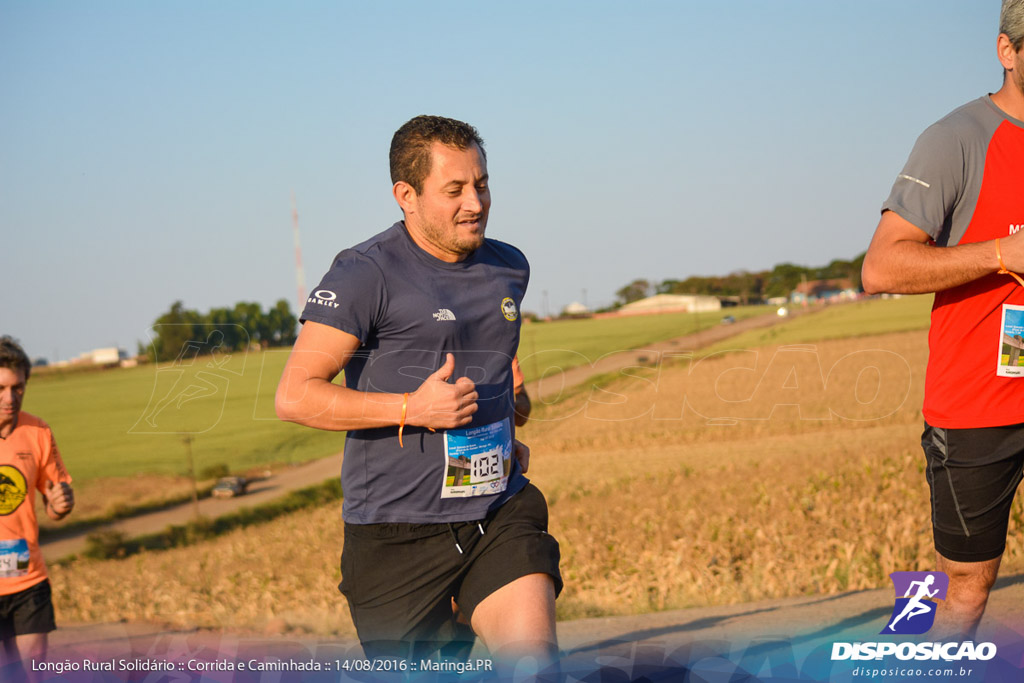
(654, 507)
(285, 570)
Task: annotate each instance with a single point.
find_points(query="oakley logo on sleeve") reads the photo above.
(323, 297)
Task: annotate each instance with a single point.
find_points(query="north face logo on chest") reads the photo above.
(443, 314)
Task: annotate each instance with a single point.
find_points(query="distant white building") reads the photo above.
(575, 308)
(110, 355)
(668, 303)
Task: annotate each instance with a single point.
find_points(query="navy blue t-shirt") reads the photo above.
(408, 309)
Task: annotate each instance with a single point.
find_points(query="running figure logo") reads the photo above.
(916, 593)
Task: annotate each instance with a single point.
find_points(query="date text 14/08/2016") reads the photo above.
(476, 665)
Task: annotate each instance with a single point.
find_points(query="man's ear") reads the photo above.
(405, 195)
(1004, 50)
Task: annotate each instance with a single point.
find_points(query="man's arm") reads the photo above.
(307, 396)
(522, 406)
(900, 260)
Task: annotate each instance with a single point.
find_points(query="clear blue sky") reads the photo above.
(148, 150)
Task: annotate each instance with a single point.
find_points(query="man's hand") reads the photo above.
(440, 405)
(522, 453)
(522, 407)
(60, 499)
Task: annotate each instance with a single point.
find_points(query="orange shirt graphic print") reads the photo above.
(13, 489)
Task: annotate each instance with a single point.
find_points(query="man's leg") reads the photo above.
(25, 632)
(32, 648)
(518, 620)
(398, 579)
(969, 585)
(17, 656)
(510, 589)
(973, 475)
(10, 660)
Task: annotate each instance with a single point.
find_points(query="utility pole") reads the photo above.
(300, 276)
(187, 440)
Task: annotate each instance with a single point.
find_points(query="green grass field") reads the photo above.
(857, 319)
(569, 343)
(100, 418)
(121, 422)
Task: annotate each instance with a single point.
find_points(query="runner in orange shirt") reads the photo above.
(29, 461)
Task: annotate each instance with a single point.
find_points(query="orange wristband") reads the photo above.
(401, 421)
(1002, 266)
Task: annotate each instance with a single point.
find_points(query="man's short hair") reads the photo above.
(1011, 22)
(13, 356)
(410, 147)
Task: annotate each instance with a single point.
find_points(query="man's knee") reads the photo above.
(970, 582)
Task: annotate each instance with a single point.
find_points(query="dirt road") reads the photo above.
(549, 387)
(279, 484)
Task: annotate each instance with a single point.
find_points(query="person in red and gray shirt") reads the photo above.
(953, 225)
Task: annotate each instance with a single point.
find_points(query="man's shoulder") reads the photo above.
(383, 241)
(506, 255)
(368, 254)
(32, 427)
(977, 117)
(30, 421)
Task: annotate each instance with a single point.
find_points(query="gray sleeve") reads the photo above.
(933, 178)
(351, 296)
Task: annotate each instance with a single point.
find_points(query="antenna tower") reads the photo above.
(300, 276)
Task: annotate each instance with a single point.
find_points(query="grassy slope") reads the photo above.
(568, 343)
(858, 319)
(99, 417)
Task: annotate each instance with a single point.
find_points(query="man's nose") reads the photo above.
(471, 201)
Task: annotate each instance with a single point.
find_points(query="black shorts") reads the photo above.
(28, 611)
(400, 579)
(973, 475)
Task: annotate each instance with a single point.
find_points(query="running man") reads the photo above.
(29, 461)
(950, 226)
(914, 606)
(440, 523)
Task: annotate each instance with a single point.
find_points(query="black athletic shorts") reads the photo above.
(400, 579)
(973, 475)
(28, 611)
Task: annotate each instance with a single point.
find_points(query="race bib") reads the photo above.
(477, 460)
(14, 557)
(1011, 342)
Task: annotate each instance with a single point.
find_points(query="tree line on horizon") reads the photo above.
(226, 329)
(747, 286)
